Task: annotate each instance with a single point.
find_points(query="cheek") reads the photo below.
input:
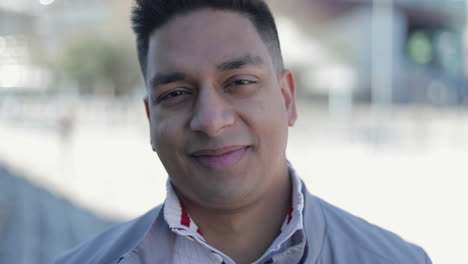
(167, 132)
(266, 118)
(267, 108)
(270, 122)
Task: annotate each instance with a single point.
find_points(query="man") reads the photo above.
(219, 103)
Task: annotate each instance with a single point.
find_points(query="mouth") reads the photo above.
(221, 158)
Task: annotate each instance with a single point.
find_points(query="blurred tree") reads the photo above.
(100, 66)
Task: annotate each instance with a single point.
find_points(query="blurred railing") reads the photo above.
(36, 226)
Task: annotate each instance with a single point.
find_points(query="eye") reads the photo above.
(243, 82)
(242, 85)
(172, 96)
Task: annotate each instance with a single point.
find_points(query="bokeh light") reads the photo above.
(46, 2)
(420, 48)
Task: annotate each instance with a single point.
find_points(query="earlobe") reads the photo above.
(288, 89)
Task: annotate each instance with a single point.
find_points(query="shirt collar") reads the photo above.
(294, 219)
(181, 223)
(177, 216)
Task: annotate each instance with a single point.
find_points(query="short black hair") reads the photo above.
(149, 15)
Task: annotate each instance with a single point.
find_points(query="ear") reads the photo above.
(145, 101)
(288, 90)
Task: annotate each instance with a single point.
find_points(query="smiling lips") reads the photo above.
(221, 158)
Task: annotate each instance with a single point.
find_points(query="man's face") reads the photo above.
(219, 110)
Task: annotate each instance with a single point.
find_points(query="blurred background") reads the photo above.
(382, 132)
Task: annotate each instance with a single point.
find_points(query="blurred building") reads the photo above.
(34, 34)
(17, 35)
(36, 226)
(407, 51)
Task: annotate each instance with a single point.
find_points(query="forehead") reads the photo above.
(201, 39)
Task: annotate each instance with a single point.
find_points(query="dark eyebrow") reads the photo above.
(231, 64)
(239, 62)
(165, 78)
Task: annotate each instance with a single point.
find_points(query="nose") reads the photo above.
(212, 113)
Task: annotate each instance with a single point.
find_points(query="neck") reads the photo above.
(245, 233)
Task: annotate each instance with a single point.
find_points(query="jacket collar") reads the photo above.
(313, 219)
(314, 226)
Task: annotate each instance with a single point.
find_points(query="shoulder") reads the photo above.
(352, 237)
(111, 244)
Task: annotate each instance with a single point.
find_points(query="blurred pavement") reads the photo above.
(405, 171)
